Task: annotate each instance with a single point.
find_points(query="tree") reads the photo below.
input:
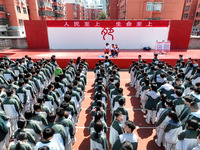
(102, 15)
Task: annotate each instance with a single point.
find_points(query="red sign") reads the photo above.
(106, 23)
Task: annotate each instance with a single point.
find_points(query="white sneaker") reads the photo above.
(156, 141)
(145, 116)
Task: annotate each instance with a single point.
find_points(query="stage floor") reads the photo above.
(63, 56)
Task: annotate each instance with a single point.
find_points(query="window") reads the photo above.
(154, 6)
(187, 8)
(75, 13)
(24, 10)
(18, 9)
(157, 6)
(2, 8)
(185, 15)
(197, 14)
(21, 22)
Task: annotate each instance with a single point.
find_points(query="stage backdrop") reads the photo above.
(82, 34)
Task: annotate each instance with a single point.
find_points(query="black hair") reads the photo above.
(163, 99)
(154, 87)
(20, 137)
(21, 83)
(40, 100)
(126, 145)
(172, 114)
(121, 101)
(37, 106)
(9, 92)
(117, 85)
(67, 98)
(51, 117)
(98, 127)
(179, 93)
(120, 90)
(117, 113)
(44, 148)
(60, 112)
(130, 124)
(188, 99)
(98, 116)
(21, 123)
(28, 114)
(194, 106)
(170, 103)
(48, 132)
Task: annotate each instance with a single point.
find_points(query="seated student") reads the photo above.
(98, 117)
(47, 140)
(188, 138)
(112, 50)
(121, 108)
(152, 101)
(127, 136)
(172, 130)
(22, 142)
(97, 139)
(116, 51)
(116, 128)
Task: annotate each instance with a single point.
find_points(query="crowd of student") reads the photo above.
(107, 87)
(170, 98)
(40, 103)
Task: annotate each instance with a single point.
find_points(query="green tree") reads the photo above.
(102, 15)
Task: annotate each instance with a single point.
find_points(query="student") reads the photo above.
(60, 135)
(117, 98)
(127, 136)
(98, 117)
(112, 50)
(162, 121)
(144, 90)
(172, 130)
(123, 110)
(21, 144)
(116, 51)
(152, 101)
(12, 109)
(3, 133)
(97, 139)
(106, 50)
(67, 123)
(116, 128)
(188, 137)
(47, 140)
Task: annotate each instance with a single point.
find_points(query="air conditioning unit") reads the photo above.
(117, 5)
(7, 14)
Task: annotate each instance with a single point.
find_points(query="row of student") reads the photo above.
(171, 98)
(40, 105)
(107, 87)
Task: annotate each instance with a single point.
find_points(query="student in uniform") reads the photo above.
(127, 136)
(98, 117)
(22, 142)
(3, 133)
(152, 101)
(60, 135)
(106, 50)
(116, 128)
(188, 137)
(179, 102)
(47, 140)
(112, 50)
(123, 110)
(162, 121)
(97, 139)
(172, 130)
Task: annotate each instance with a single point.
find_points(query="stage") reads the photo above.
(92, 56)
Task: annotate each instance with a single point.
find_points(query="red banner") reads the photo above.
(105, 24)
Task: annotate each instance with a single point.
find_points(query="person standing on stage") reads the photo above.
(106, 50)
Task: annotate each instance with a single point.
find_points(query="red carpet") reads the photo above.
(125, 56)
